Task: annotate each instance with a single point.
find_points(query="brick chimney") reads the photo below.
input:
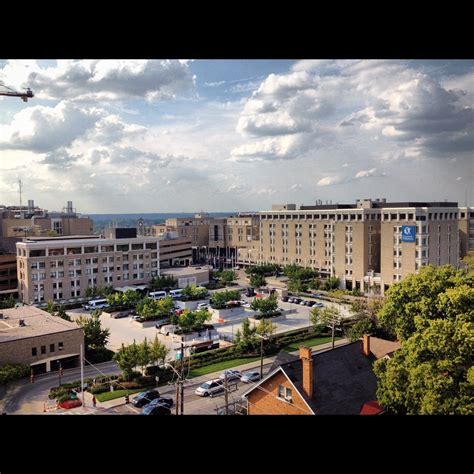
(366, 345)
(307, 361)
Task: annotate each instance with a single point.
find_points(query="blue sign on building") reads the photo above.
(408, 233)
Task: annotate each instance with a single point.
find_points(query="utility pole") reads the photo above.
(333, 331)
(226, 393)
(182, 378)
(82, 374)
(177, 397)
(261, 358)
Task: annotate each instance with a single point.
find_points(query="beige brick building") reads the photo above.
(466, 230)
(33, 337)
(64, 267)
(362, 243)
(243, 237)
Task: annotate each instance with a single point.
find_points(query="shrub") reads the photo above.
(100, 388)
(11, 372)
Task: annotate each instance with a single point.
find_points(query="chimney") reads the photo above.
(21, 323)
(307, 361)
(366, 345)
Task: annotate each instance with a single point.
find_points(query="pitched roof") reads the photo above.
(381, 347)
(371, 408)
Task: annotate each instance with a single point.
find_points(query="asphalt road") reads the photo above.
(23, 397)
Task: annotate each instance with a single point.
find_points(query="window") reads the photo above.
(33, 351)
(51, 348)
(43, 349)
(60, 346)
(285, 393)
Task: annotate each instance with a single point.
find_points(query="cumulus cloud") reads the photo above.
(392, 100)
(102, 79)
(330, 180)
(44, 129)
(372, 173)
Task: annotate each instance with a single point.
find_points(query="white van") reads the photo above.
(96, 304)
(176, 293)
(167, 329)
(157, 295)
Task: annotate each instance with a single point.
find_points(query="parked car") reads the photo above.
(250, 292)
(95, 304)
(165, 401)
(244, 303)
(249, 377)
(155, 410)
(143, 398)
(308, 303)
(121, 314)
(297, 300)
(210, 388)
(316, 295)
(291, 300)
(231, 375)
(284, 298)
(318, 304)
(203, 305)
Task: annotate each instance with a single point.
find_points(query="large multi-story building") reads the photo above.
(8, 277)
(369, 244)
(174, 250)
(24, 221)
(243, 236)
(64, 267)
(466, 230)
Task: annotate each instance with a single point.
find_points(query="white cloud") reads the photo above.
(330, 180)
(102, 79)
(373, 172)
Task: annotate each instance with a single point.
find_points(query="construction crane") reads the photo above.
(24, 95)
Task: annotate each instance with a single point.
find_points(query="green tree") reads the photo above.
(433, 293)
(265, 306)
(258, 281)
(433, 373)
(158, 352)
(219, 299)
(95, 337)
(163, 283)
(363, 325)
(227, 277)
(468, 262)
(61, 313)
(7, 302)
(332, 283)
(296, 286)
(245, 339)
(144, 355)
(265, 328)
(127, 359)
(193, 292)
(50, 307)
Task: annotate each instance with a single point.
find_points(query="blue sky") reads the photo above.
(217, 135)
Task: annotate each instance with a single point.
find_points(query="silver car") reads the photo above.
(249, 377)
(210, 388)
(231, 375)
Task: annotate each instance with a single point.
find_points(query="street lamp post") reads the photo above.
(261, 354)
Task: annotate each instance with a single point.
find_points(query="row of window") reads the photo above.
(52, 349)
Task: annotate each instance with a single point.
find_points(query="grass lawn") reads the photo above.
(294, 346)
(226, 364)
(104, 397)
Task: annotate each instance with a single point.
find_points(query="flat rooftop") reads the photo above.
(184, 270)
(37, 323)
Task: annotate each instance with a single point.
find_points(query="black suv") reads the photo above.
(143, 398)
(250, 292)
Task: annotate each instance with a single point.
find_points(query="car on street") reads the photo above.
(232, 374)
(203, 305)
(155, 410)
(244, 303)
(143, 398)
(210, 388)
(165, 401)
(249, 377)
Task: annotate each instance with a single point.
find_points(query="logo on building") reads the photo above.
(408, 233)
